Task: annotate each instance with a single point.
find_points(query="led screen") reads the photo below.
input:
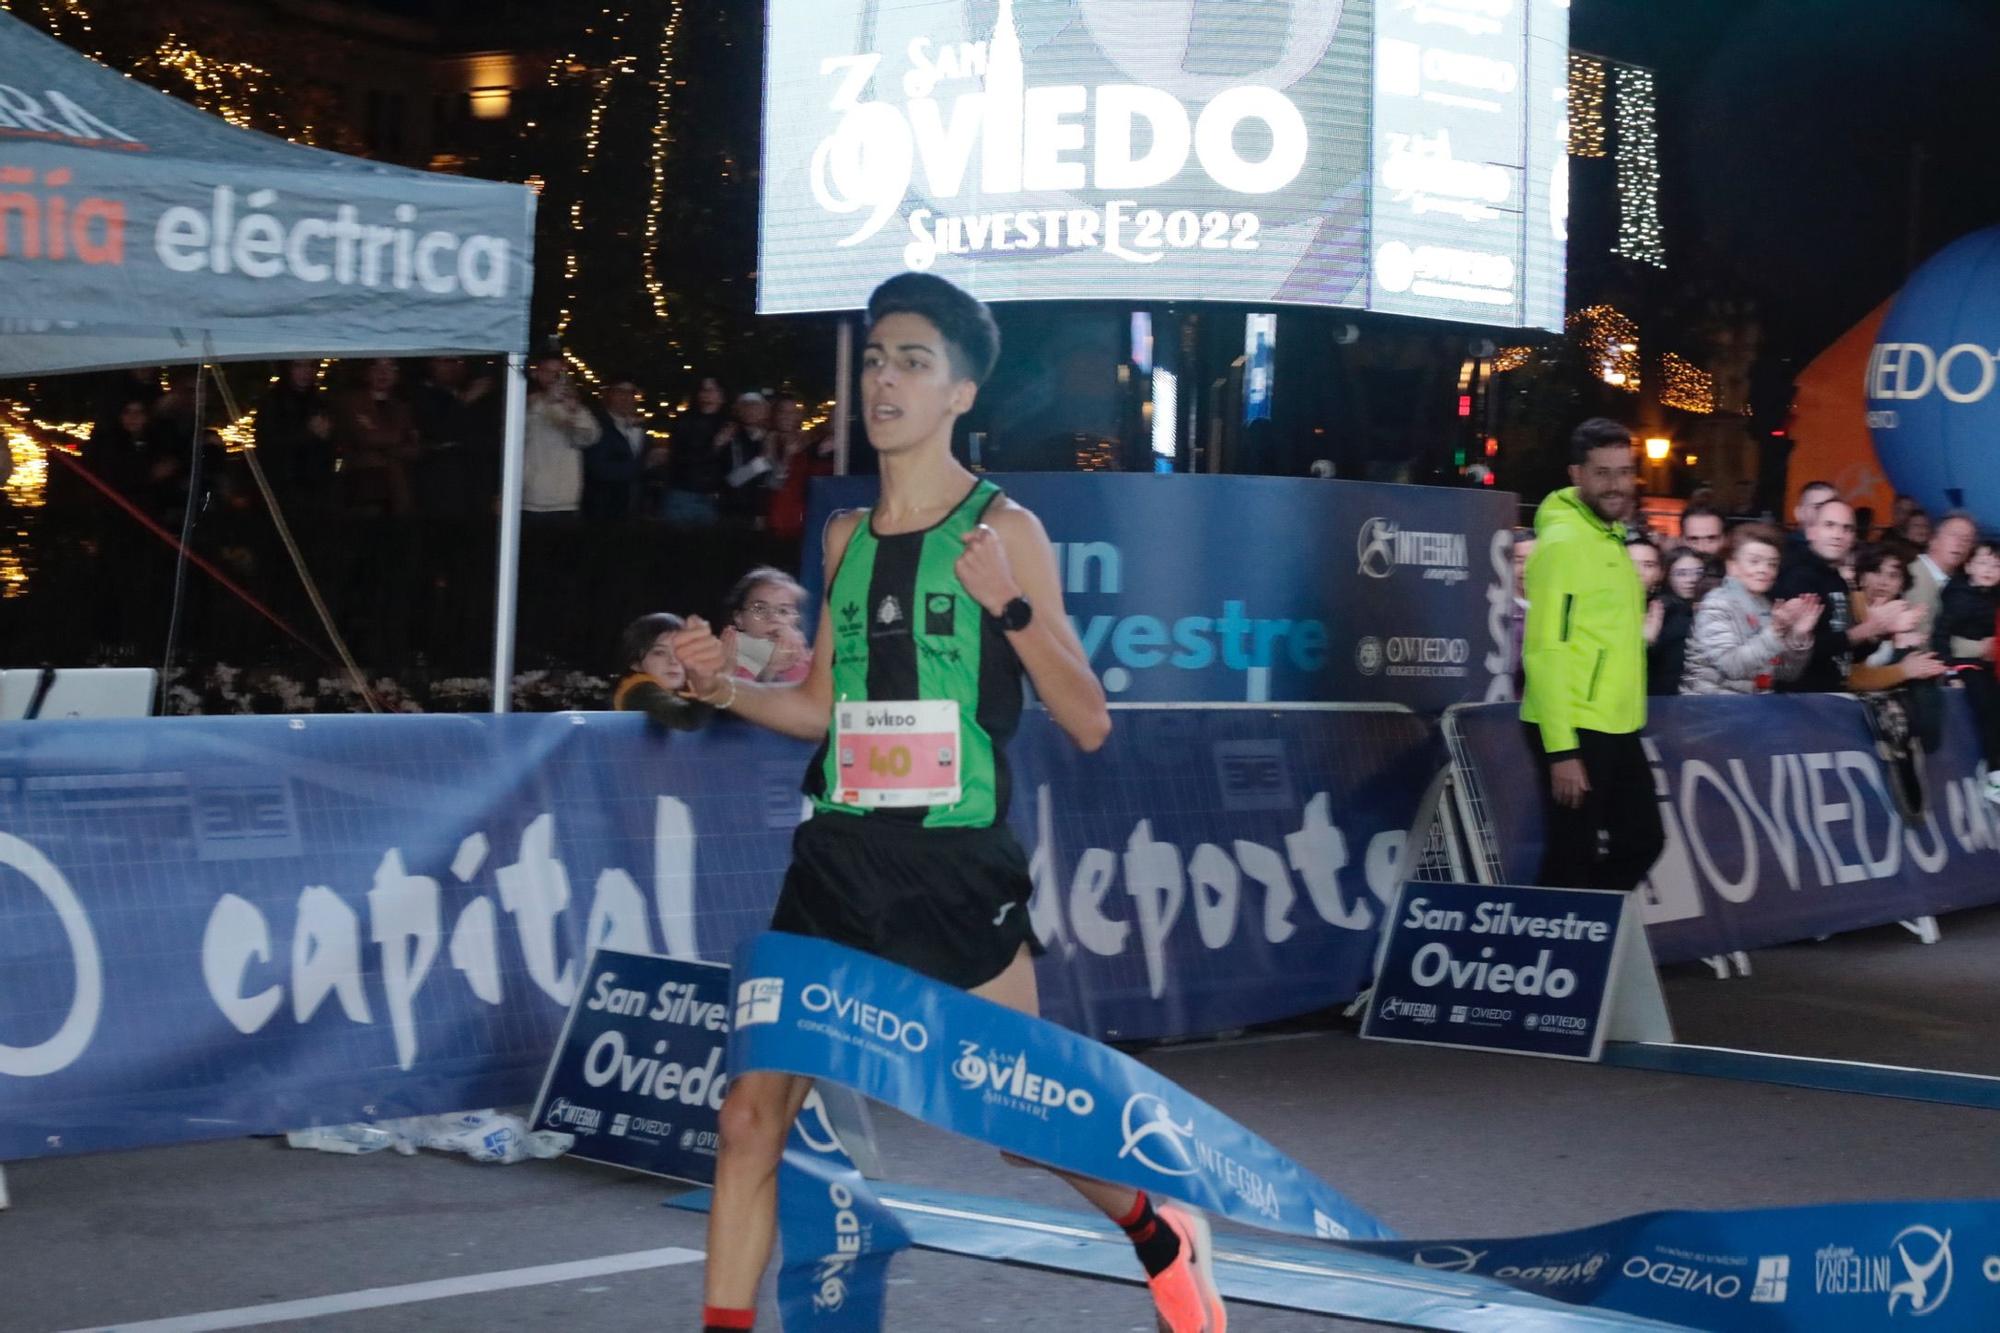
(1400, 155)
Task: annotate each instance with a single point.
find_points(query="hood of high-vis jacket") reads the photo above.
(1584, 653)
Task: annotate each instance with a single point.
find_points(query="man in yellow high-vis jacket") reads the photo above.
(1584, 657)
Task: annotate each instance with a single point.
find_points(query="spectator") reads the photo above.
(1964, 636)
(694, 467)
(1741, 642)
(1894, 681)
(747, 468)
(1881, 578)
(1811, 496)
(457, 433)
(1524, 546)
(1814, 568)
(801, 456)
(295, 441)
(612, 464)
(654, 677)
(765, 607)
(1900, 511)
(1916, 529)
(1743, 498)
(119, 452)
(1702, 497)
(1943, 556)
(375, 434)
(1666, 646)
(1585, 700)
(1701, 530)
(559, 429)
(1645, 556)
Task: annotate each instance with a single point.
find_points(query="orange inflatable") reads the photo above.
(1829, 423)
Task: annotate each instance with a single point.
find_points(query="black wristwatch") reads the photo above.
(1015, 615)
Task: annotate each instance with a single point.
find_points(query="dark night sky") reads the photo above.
(1788, 128)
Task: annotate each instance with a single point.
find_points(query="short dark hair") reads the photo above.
(1878, 554)
(1754, 534)
(739, 592)
(1675, 554)
(1596, 433)
(637, 638)
(1700, 511)
(971, 338)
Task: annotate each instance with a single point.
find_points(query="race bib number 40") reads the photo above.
(898, 754)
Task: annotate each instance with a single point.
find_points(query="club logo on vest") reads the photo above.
(941, 614)
(850, 617)
(889, 622)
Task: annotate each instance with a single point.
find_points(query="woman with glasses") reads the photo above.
(764, 608)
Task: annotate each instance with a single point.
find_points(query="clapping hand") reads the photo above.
(792, 649)
(1796, 616)
(1923, 666)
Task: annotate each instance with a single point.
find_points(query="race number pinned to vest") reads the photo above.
(898, 754)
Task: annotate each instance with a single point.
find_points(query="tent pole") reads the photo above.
(507, 584)
(843, 390)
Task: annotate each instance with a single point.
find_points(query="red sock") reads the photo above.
(1139, 1206)
(721, 1319)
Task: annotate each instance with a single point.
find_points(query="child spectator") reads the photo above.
(654, 676)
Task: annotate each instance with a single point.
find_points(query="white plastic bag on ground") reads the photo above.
(484, 1136)
(350, 1139)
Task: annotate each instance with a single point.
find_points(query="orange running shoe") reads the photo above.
(1184, 1295)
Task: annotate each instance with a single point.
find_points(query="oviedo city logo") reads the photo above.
(1006, 1080)
(969, 123)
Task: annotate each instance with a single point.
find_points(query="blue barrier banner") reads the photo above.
(637, 1076)
(1025, 1086)
(1211, 865)
(1390, 594)
(1505, 969)
(1779, 820)
(222, 926)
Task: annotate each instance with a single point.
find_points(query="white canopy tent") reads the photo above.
(136, 230)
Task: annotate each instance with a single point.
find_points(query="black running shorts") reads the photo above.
(951, 903)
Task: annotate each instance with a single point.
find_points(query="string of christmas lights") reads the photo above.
(221, 87)
(1586, 106)
(663, 90)
(1638, 163)
(1610, 343)
(1686, 386)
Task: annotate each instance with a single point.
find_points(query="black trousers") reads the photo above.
(1613, 838)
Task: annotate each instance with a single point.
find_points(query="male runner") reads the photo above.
(937, 600)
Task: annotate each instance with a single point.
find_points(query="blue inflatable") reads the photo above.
(1933, 382)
